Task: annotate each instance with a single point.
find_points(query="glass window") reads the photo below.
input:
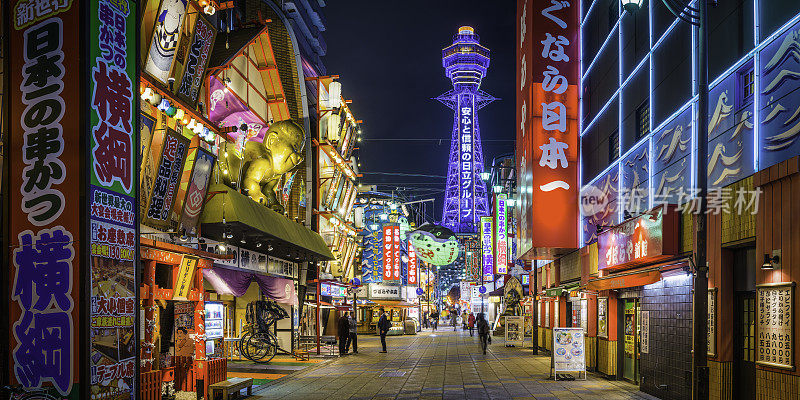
(613, 146)
(642, 120)
(746, 86)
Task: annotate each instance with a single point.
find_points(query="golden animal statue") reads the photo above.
(264, 163)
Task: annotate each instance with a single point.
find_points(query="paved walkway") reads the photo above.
(441, 365)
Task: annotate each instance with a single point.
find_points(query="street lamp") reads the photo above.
(698, 17)
(485, 175)
(497, 188)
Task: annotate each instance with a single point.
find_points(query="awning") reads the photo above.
(394, 303)
(235, 282)
(558, 291)
(625, 280)
(255, 223)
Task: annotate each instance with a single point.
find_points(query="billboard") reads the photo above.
(44, 196)
(553, 129)
(487, 248)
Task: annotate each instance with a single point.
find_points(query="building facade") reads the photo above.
(638, 151)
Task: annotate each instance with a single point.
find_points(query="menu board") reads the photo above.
(775, 316)
(712, 321)
(644, 333)
(568, 350)
(602, 317)
(514, 330)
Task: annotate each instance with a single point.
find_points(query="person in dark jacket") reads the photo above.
(353, 338)
(344, 333)
(434, 320)
(383, 328)
(483, 331)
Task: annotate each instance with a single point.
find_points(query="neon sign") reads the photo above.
(487, 248)
(501, 235)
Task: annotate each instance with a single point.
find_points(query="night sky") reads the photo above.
(388, 55)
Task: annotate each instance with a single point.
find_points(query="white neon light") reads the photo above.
(591, 8)
(616, 28)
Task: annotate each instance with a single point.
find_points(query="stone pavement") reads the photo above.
(440, 365)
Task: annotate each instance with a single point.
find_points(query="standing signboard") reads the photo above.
(775, 316)
(45, 313)
(113, 237)
(487, 248)
(515, 334)
(569, 351)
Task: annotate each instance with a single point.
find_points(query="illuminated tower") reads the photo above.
(465, 62)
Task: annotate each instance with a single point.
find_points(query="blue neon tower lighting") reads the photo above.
(465, 62)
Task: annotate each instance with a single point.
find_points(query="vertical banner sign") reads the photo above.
(396, 252)
(388, 247)
(501, 235)
(112, 221)
(466, 111)
(196, 193)
(167, 179)
(775, 315)
(644, 332)
(413, 265)
(166, 35)
(44, 205)
(197, 60)
(183, 281)
(487, 249)
(525, 11)
(554, 131)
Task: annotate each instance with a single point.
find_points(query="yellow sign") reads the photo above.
(184, 280)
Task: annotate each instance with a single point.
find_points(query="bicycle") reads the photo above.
(258, 343)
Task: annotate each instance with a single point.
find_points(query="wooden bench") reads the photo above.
(301, 355)
(230, 387)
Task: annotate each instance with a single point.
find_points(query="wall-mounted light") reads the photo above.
(510, 202)
(485, 176)
(632, 5)
(497, 188)
(772, 262)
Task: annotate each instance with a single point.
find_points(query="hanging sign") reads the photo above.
(44, 202)
(183, 281)
(196, 193)
(167, 180)
(413, 265)
(569, 350)
(775, 316)
(501, 235)
(553, 117)
(388, 253)
(386, 292)
(197, 60)
(487, 248)
(466, 111)
(166, 35)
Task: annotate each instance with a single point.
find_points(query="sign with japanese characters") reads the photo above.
(413, 265)
(44, 196)
(167, 179)
(388, 254)
(487, 248)
(644, 332)
(569, 350)
(112, 146)
(197, 59)
(775, 327)
(327, 289)
(196, 193)
(645, 238)
(524, 74)
(166, 35)
(466, 112)
(553, 117)
(602, 317)
(501, 235)
(387, 292)
(183, 281)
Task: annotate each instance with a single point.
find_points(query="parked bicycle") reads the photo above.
(258, 343)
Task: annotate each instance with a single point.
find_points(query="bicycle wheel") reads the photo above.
(262, 348)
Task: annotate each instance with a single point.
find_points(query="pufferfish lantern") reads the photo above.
(435, 244)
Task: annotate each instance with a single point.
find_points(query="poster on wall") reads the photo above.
(775, 317)
(569, 350)
(167, 180)
(44, 197)
(602, 317)
(184, 329)
(166, 35)
(113, 237)
(629, 326)
(196, 193)
(712, 322)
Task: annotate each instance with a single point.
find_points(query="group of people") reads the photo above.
(468, 320)
(348, 334)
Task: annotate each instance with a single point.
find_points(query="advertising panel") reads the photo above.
(775, 316)
(487, 248)
(167, 179)
(647, 237)
(112, 151)
(501, 235)
(602, 317)
(569, 350)
(166, 35)
(44, 199)
(388, 250)
(196, 193)
(413, 265)
(553, 113)
(466, 112)
(197, 59)
(524, 60)
(515, 334)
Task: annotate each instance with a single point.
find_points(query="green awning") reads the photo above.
(559, 290)
(254, 223)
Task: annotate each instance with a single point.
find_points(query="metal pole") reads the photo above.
(700, 389)
(534, 291)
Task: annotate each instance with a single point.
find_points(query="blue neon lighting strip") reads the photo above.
(602, 48)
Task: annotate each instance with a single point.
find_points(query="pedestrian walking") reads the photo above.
(344, 333)
(353, 338)
(483, 331)
(454, 319)
(383, 328)
(471, 323)
(434, 320)
(425, 320)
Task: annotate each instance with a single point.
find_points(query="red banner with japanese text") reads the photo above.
(388, 253)
(44, 196)
(523, 210)
(413, 265)
(554, 126)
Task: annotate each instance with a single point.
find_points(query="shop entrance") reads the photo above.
(630, 326)
(744, 346)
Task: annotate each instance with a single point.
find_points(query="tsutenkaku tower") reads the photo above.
(465, 62)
